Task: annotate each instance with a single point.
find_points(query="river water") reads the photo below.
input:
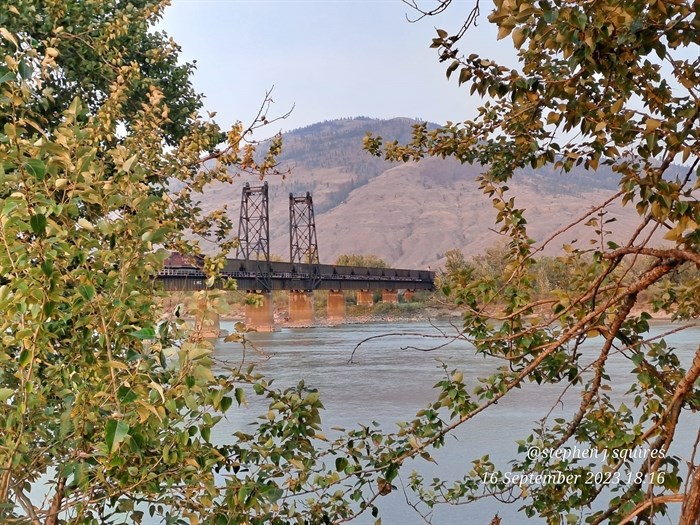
(390, 379)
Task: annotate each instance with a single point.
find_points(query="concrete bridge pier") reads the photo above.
(301, 307)
(261, 318)
(365, 298)
(390, 296)
(336, 305)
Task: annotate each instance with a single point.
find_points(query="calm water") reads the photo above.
(387, 384)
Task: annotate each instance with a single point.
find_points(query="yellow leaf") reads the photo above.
(8, 36)
(298, 464)
(686, 153)
(518, 37)
(86, 224)
(158, 389)
(553, 118)
(503, 32)
(652, 124)
(144, 408)
(128, 163)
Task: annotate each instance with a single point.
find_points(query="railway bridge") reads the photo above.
(255, 272)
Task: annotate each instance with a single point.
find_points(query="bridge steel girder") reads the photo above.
(254, 231)
(288, 276)
(303, 247)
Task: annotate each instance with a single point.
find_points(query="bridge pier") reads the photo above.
(301, 307)
(390, 296)
(408, 295)
(365, 298)
(261, 318)
(336, 305)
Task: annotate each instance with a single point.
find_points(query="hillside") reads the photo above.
(411, 214)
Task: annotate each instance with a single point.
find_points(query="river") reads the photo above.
(388, 384)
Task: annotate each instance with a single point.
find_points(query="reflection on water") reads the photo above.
(388, 384)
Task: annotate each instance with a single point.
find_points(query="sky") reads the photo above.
(327, 59)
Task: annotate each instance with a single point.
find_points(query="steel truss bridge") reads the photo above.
(267, 276)
(253, 269)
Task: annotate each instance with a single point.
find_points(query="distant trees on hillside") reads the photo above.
(353, 259)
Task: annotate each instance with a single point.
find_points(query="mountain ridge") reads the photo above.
(410, 214)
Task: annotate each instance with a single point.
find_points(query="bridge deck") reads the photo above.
(264, 276)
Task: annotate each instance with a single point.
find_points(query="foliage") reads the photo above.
(608, 83)
(106, 411)
(112, 412)
(366, 261)
(548, 273)
(454, 261)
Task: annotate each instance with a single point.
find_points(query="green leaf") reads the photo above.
(226, 403)
(36, 167)
(5, 394)
(340, 464)
(126, 394)
(87, 291)
(6, 76)
(25, 70)
(24, 357)
(550, 15)
(47, 267)
(115, 432)
(48, 308)
(240, 396)
(38, 223)
(144, 333)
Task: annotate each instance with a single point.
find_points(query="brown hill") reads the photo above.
(411, 214)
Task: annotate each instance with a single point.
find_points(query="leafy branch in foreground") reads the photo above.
(611, 83)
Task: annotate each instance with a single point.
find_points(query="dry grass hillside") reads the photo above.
(411, 214)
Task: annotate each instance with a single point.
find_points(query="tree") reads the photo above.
(105, 409)
(87, 43)
(454, 261)
(354, 259)
(599, 83)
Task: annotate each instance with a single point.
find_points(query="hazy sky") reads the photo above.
(328, 58)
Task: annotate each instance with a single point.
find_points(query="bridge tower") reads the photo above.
(254, 224)
(303, 249)
(254, 246)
